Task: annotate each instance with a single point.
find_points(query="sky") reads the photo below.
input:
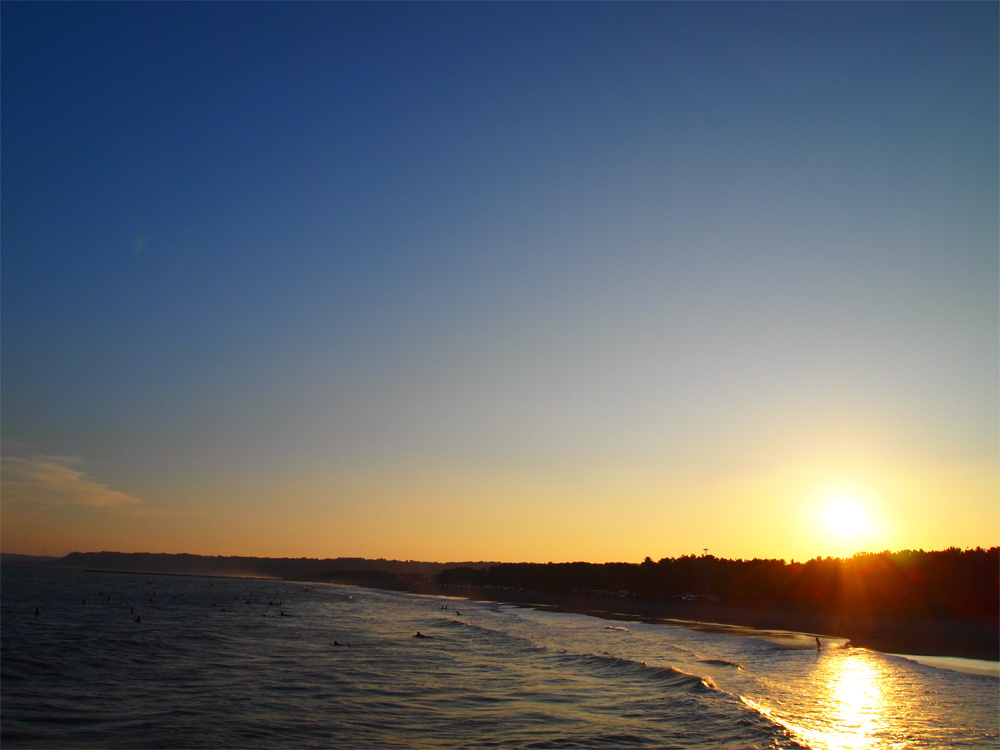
(491, 281)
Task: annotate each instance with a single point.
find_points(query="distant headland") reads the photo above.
(342, 569)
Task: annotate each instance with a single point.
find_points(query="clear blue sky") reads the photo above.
(498, 281)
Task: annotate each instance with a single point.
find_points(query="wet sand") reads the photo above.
(970, 639)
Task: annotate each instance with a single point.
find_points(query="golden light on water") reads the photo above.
(856, 693)
(848, 709)
(851, 705)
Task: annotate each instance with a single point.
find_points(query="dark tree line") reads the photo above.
(952, 582)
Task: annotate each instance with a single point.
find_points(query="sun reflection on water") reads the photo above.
(856, 700)
(852, 702)
(848, 707)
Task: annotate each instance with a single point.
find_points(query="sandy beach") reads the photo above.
(970, 638)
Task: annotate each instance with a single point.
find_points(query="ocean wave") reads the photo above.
(780, 726)
(605, 665)
(616, 667)
(722, 663)
(455, 623)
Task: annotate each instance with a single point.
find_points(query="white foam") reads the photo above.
(958, 664)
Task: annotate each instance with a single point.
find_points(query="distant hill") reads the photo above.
(355, 569)
(10, 557)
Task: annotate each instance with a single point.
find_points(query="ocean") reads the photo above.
(116, 660)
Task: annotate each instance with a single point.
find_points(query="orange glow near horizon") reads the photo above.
(621, 513)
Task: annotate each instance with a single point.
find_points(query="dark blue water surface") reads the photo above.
(248, 663)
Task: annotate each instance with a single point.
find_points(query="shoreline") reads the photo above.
(914, 636)
(968, 639)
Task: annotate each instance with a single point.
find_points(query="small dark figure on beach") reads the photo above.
(817, 643)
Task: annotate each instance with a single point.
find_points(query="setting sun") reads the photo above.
(844, 517)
